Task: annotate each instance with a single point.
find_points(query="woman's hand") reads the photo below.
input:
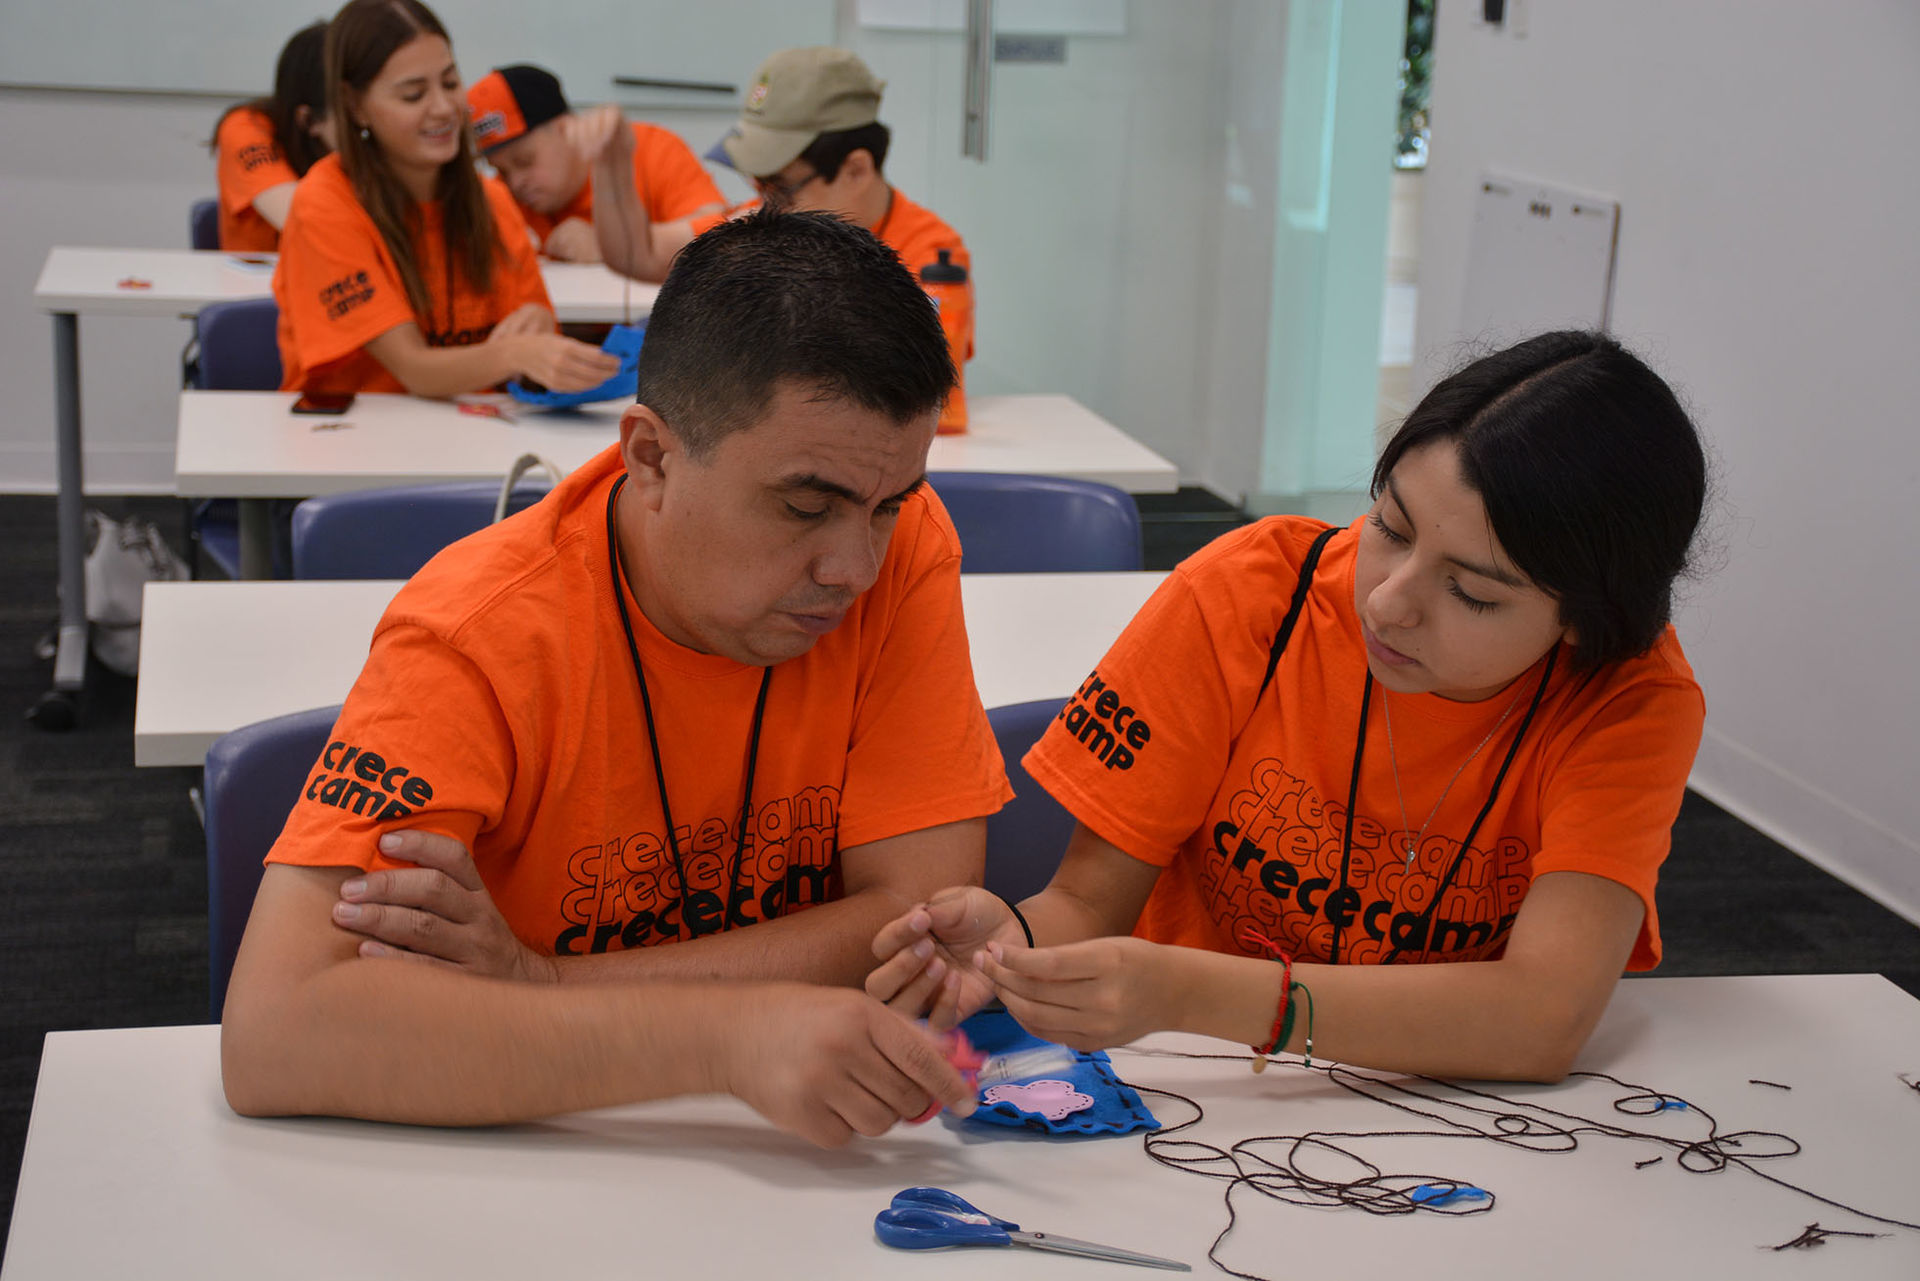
(562, 364)
(925, 968)
(1093, 994)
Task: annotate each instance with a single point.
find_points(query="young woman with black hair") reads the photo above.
(262, 148)
(400, 268)
(1457, 730)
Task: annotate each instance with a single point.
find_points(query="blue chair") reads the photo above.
(235, 347)
(254, 776)
(1026, 839)
(203, 224)
(1039, 524)
(239, 345)
(391, 533)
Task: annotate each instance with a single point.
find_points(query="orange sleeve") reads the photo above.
(387, 766)
(1608, 805)
(672, 181)
(336, 284)
(523, 283)
(922, 752)
(248, 160)
(1139, 749)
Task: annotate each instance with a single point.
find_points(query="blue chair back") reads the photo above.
(1039, 524)
(391, 533)
(239, 345)
(1026, 839)
(203, 224)
(254, 776)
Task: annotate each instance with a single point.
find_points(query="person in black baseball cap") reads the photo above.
(521, 124)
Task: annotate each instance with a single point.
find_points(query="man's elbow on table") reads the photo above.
(270, 1021)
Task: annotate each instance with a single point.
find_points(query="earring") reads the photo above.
(365, 133)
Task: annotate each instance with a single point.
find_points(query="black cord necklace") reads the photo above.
(653, 741)
(1425, 933)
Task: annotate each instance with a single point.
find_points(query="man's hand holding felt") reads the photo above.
(436, 911)
(828, 1063)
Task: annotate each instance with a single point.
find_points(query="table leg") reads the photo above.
(256, 538)
(56, 710)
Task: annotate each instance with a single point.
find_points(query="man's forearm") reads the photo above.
(621, 223)
(831, 943)
(395, 1040)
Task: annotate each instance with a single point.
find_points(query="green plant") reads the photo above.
(1416, 79)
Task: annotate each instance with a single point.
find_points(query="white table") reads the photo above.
(135, 1167)
(247, 445)
(216, 656)
(178, 283)
(182, 281)
(244, 444)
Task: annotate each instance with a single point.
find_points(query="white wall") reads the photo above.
(1092, 223)
(1763, 158)
(94, 169)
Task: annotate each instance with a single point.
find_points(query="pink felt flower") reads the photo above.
(1051, 1099)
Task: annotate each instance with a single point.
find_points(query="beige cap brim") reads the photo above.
(760, 152)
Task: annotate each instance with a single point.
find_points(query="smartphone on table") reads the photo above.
(323, 403)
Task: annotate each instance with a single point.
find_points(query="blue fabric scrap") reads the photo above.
(623, 341)
(1116, 1109)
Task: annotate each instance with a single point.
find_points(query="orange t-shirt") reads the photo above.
(249, 161)
(917, 235)
(338, 287)
(671, 181)
(1165, 753)
(499, 706)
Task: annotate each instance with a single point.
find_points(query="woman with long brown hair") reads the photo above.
(400, 268)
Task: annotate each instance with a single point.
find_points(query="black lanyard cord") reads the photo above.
(1453, 868)
(1353, 796)
(653, 741)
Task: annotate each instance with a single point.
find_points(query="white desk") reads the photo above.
(243, 444)
(135, 1167)
(179, 282)
(216, 656)
(182, 281)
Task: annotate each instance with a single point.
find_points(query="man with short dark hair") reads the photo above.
(713, 691)
(810, 138)
(520, 124)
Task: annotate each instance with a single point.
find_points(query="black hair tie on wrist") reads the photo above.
(1024, 927)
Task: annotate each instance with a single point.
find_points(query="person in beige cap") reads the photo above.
(810, 138)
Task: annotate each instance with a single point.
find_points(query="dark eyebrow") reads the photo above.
(451, 69)
(1472, 567)
(821, 485)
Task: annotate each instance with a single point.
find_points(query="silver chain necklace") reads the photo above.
(1412, 845)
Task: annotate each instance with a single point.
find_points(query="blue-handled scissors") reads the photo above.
(931, 1218)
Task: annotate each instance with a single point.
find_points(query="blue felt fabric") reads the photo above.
(1116, 1109)
(622, 341)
